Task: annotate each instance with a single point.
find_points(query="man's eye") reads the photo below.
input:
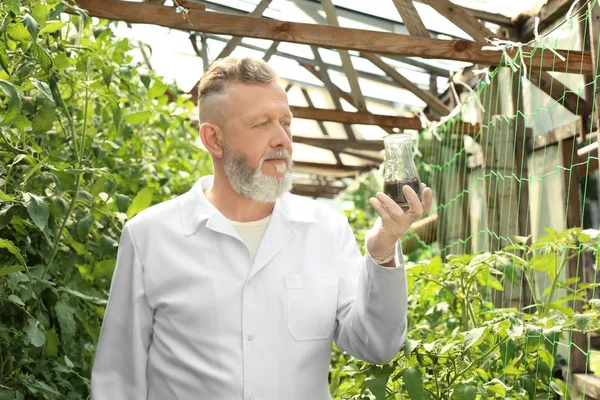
(286, 124)
(261, 125)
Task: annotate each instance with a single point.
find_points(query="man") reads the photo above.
(237, 289)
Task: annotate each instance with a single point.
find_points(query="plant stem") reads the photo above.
(432, 394)
(477, 360)
(555, 281)
(77, 182)
(439, 283)
(437, 385)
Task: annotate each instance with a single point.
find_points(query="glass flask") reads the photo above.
(400, 169)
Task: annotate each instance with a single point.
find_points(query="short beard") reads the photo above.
(253, 183)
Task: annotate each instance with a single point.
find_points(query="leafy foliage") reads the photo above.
(460, 346)
(87, 140)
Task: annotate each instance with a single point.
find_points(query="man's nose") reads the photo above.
(281, 137)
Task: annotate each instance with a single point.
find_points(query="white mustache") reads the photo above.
(277, 154)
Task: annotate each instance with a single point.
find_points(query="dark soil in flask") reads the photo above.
(394, 190)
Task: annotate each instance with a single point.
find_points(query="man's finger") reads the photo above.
(392, 207)
(380, 208)
(413, 200)
(427, 199)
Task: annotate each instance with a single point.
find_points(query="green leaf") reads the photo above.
(377, 387)
(465, 392)
(14, 250)
(61, 61)
(497, 387)
(41, 53)
(105, 268)
(484, 375)
(410, 346)
(44, 88)
(14, 6)
(584, 321)
(7, 395)
(53, 26)
(40, 13)
(145, 80)
(18, 32)
(51, 348)
(473, 336)
(44, 119)
(11, 270)
(31, 24)
(139, 117)
(122, 202)
(64, 314)
(157, 89)
(14, 102)
(16, 299)
(38, 209)
(83, 227)
(4, 60)
(108, 245)
(413, 380)
(34, 333)
(558, 386)
(141, 201)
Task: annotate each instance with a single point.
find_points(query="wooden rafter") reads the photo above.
(340, 144)
(359, 117)
(549, 13)
(556, 89)
(189, 4)
(349, 70)
(543, 80)
(303, 60)
(321, 125)
(431, 100)
(411, 18)
(271, 50)
(325, 168)
(497, 19)
(236, 40)
(325, 36)
(341, 94)
(331, 88)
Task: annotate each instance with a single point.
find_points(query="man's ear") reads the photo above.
(212, 138)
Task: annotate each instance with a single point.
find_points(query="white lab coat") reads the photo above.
(191, 317)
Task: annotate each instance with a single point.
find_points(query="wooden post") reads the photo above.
(572, 200)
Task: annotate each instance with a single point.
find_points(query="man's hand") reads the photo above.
(393, 221)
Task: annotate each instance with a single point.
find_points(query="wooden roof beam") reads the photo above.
(549, 13)
(333, 168)
(349, 70)
(340, 93)
(325, 36)
(340, 144)
(411, 18)
(359, 117)
(331, 88)
(236, 40)
(431, 100)
(542, 80)
(190, 4)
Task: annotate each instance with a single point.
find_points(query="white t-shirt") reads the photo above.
(252, 233)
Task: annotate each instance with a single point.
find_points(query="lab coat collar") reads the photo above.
(195, 209)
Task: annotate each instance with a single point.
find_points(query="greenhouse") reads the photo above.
(145, 255)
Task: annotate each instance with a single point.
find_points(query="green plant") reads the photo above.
(459, 346)
(87, 140)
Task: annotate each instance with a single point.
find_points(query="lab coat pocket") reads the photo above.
(311, 305)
